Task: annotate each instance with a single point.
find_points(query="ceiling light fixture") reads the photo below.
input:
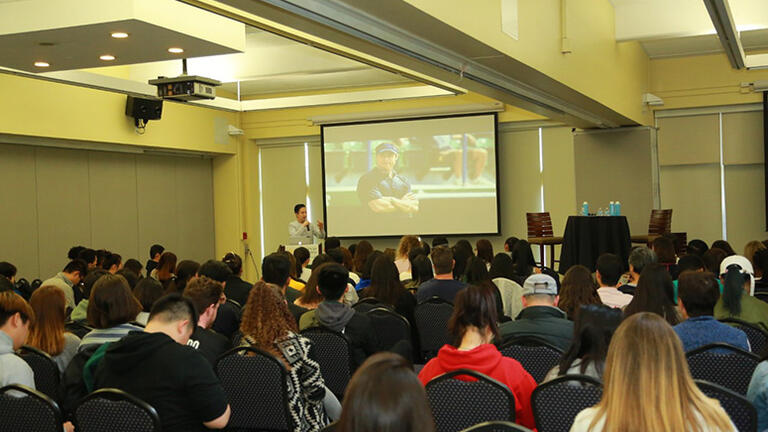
(119, 35)
(107, 57)
(42, 64)
(175, 50)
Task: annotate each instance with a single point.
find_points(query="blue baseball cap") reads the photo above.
(384, 147)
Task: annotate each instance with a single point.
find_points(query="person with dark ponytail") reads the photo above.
(737, 301)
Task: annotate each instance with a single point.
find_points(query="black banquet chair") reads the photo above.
(739, 409)
(331, 350)
(538, 357)
(390, 326)
(47, 374)
(111, 409)
(557, 402)
(497, 426)
(23, 409)
(431, 318)
(366, 304)
(458, 404)
(723, 365)
(758, 338)
(257, 386)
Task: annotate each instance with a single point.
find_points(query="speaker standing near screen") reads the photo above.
(301, 230)
(382, 189)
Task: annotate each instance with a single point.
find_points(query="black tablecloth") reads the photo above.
(587, 237)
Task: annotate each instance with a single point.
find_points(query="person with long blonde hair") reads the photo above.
(648, 386)
(47, 333)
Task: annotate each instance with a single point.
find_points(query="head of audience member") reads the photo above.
(332, 281)
(502, 266)
(332, 243)
(89, 256)
(5, 284)
(751, 248)
(101, 255)
(112, 262)
(484, 250)
(47, 331)
(654, 293)
(407, 242)
(352, 248)
(578, 288)
(646, 355)
(522, 258)
(134, 266)
(540, 290)
(390, 252)
(364, 248)
(336, 255)
(16, 316)
(185, 270)
(664, 249)
(155, 251)
(385, 281)
(321, 259)
(75, 271)
(639, 258)
(418, 250)
(276, 269)
(736, 273)
(300, 211)
(425, 246)
(234, 262)
(266, 317)
(760, 263)
(368, 267)
(443, 262)
(311, 296)
(129, 276)
(207, 295)
(462, 252)
(111, 302)
(439, 241)
(593, 328)
(474, 315)
(713, 258)
(166, 265)
(8, 271)
(173, 315)
(216, 270)
(608, 270)
(74, 252)
(509, 244)
(302, 258)
(292, 261)
(385, 394)
(697, 294)
(346, 258)
(421, 269)
(90, 279)
(697, 247)
(476, 271)
(724, 246)
(147, 292)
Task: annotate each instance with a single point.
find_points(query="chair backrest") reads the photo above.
(661, 221)
(497, 426)
(762, 296)
(78, 328)
(431, 318)
(27, 410)
(331, 351)
(539, 224)
(724, 365)
(256, 383)
(739, 409)
(366, 304)
(111, 409)
(537, 356)
(390, 326)
(457, 404)
(47, 374)
(758, 338)
(557, 402)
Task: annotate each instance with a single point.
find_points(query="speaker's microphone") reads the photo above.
(307, 227)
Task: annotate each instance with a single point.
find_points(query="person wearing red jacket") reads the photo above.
(473, 327)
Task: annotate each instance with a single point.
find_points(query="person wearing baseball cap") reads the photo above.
(382, 189)
(540, 317)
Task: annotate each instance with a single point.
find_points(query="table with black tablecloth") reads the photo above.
(587, 237)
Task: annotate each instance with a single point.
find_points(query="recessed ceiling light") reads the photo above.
(119, 35)
(42, 64)
(107, 57)
(175, 50)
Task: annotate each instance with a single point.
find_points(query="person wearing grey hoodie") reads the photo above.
(333, 314)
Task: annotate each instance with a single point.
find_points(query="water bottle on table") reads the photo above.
(585, 209)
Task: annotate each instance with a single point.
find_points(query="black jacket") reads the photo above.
(237, 289)
(544, 322)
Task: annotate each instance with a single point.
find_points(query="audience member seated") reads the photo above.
(440, 241)
(228, 316)
(484, 250)
(185, 270)
(302, 261)
(724, 246)
(348, 264)
(407, 276)
(294, 284)
(757, 393)
(509, 244)
(112, 262)
(8, 271)
(443, 284)
(47, 331)
(268, 325)
(333, 314)
(654, 294)
(164, 272)
(462, 252)
(147, 292)
(363, 249)
(698, 295)
(523, 261)
(407, 242)
(80, 313)
(760, 260)
(386, 287)
(473, 328)
(311, 296)
(686, 263)
(15, 318)
(90, 258)
(6, 285)
(129, 276)
(133, 266)
(65, 280)
(639, 257)
(713, 258)
(502, 273)
(154, 256)
(385, 395)
(236, 288)
(578, 288)
(607, 274)
(540, 316)
(156, 366)
(644, 357)
(276, 269)
(592, 331)
(477, 274)
(697, 247)
(664, 248)
(751, 248)
(421, 271)
(365, 275)
(332, 243)
(736, 301)
(206, 295)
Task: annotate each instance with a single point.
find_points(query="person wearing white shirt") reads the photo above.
(301, 228)
(607, 275)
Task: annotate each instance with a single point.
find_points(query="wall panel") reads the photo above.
(18, 220)
(693, 194)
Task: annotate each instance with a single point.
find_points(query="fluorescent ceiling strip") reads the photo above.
(341, 98)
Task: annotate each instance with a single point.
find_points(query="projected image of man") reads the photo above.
(382, 189)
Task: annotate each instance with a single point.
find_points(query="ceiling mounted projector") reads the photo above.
(186, 88)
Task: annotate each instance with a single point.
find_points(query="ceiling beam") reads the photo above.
(722, 19)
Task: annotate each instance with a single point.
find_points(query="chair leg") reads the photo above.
(541, 255)
(552, 258)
